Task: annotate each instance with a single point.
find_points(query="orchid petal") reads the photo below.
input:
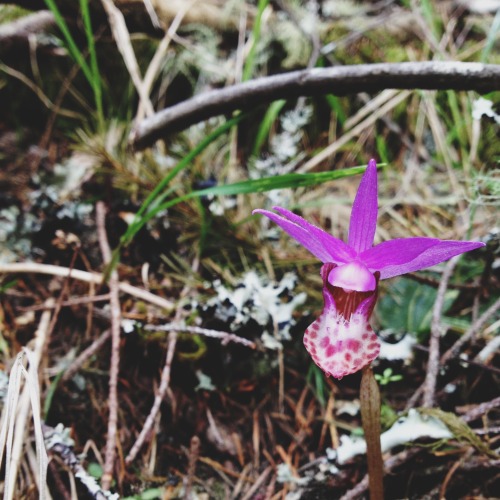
(341, 346)
(321, 244)
(364, 211)
(395, 252)
(354, 276)
(441, 251)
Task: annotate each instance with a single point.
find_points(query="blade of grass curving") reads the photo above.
(70, 42)
(94, 67)
(492, 38)
(250, 61)
(155, 194)
(433, 21)
(336, 106)
(290, 181)
(459, 124)
(266, 124)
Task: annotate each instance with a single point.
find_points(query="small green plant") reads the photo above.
(387, 377)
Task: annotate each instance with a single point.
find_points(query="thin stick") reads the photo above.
(86, 354)
(475, 327)
(194, 453)
(370, 416)
(196, 330)
(77, 274)
(114, 302)
(455, 348)
(159, 56)
(389, 464)
(339, 80)
(436, 333)
(481, 409)
(74, 301)
(124, 45)
(165, 381)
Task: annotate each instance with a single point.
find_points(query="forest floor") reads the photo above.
(156, 332)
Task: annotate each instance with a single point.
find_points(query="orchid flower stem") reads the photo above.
(370, 415)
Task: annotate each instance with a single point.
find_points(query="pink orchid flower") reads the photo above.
(341, 341)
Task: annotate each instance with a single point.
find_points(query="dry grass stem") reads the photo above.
(332, 148)
(114, 302)
(15, 414)
(162, 390)
(124, 45)
(469, 334)
(96, 278)
(196, 330)
(436, 333)
(86, 354)
(156, 62)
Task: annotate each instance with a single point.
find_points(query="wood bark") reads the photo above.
(338, 80)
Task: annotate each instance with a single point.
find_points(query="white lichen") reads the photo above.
(407, 429)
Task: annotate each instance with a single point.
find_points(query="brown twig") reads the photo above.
(455, 348)
(78, 274)
(481, 409)
(75, 301)
(86, 354)
(164, 384)
(475, 327)
(114, 302)
(162, 390)
(389, 464)
(339, 80)
(196, 330)
(426, 280)
(194, 453)
(437, 332)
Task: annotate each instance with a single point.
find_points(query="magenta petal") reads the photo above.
(354, 276)
(395, 252)
(321, 244)
(364, 211)
(441, 251)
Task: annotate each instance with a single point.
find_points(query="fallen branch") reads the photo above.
(339, 80)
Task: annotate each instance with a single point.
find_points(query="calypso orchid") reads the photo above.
(341, 341)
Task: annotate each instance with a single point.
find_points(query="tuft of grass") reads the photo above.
(91, 71)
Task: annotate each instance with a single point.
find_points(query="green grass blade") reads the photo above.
(492, 38)
(266, 124)
(94, 67)
(336, 106)
(156, 193)
(250, 61)
(286, 181)
(70, 42)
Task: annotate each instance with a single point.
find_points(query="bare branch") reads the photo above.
(339, 80)
(437, 331)
(114, 302)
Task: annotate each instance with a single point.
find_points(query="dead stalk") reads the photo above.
(436, 334)
(110, 454)
(370, 416)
